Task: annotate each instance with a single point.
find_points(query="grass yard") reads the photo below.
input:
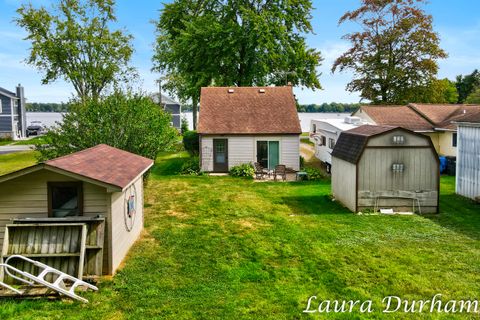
(226, 248)
(15, 161)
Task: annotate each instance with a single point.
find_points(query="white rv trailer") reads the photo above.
(324, 134)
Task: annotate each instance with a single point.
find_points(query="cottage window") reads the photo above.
(65, 199)
(331, 143)
(323, 142)
(454, 139)
(314, 128)
(398, 167)
(398, 139)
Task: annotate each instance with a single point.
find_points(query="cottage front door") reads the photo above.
(220, 155)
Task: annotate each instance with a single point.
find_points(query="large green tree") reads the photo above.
(74, 41)
(126, 121)
(437, 91)
(234, 43)
(474, 97)
(467, 84)
(395, 51)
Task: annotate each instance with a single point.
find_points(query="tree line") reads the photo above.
(47, 107)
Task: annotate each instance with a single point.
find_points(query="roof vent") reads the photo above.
(261, 90)
(231, 91)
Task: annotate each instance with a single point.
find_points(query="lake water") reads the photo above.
(50, 118)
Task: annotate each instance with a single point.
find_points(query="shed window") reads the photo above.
(454, 139)
(65, 199)
(314, 128)
(398, 167)
(323, 141)
(398, 139)
(331, 143)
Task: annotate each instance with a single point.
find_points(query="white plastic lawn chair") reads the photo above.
(58, 285)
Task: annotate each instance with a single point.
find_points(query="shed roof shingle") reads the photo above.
(351, 143)
(248, 110)
(104, 164)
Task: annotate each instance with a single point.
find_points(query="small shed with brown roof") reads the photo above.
(248, 124)
(101, 181)
(375, 167)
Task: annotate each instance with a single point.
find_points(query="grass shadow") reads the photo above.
(310, 205)
(169, 164)
(457, 213)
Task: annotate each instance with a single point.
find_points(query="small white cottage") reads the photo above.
(382, 167)
(468, 156)
(248, 124)
(99, 184)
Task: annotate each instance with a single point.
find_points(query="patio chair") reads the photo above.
(260, 172)
(280, 170)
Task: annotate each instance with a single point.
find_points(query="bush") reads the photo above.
(302, 162)
(184, 125)
(191, 167)
(126, 121)
(243, 170)
(191, 142)
(314, 174)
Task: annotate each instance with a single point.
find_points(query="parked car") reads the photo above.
(35, 128)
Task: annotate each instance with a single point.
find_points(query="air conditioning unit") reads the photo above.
(353, 120)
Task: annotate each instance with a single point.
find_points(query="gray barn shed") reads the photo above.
(376, 167)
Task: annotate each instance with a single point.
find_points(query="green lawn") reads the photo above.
(226, 248)
(15, 161)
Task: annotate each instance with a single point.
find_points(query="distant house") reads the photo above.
(468, 158)
(172, 107)
(324, 134)
(76, 188)
(433, 120)
(383, 167)
(248, 124)
(12, 113)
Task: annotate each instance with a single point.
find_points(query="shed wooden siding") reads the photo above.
(242, 149)
(468, 161)
(120, 237)
(344, 182)
(29, 199)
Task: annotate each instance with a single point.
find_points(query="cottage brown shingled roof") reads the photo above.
(398, 116)
(248, 110)
(104, 164)
(472, 117)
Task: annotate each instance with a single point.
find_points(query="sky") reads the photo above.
(457, 23)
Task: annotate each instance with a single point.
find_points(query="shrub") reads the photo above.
(184, 125)
(314, 174)
(123, 120)
(191, 142)
(302, 162)
(243, 170)
(191, 167)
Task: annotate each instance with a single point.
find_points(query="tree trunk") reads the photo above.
(194, 112)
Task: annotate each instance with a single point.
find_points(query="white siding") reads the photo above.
(344, 182)
(242, 149)
(121, 238)
(468, 161)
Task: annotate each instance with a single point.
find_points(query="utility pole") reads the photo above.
(159, 81)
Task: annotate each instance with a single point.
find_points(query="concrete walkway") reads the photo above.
(12, 148)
